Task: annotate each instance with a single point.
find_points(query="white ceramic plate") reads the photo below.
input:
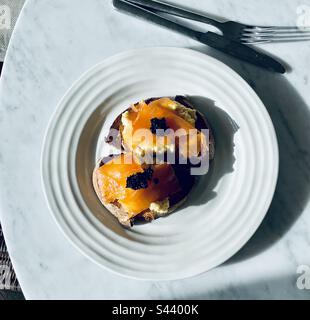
(226, 206)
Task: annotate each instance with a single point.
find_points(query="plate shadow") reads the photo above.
(291, 118)
(223, 128)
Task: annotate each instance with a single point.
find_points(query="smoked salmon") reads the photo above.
(163, 110)
(113, 177)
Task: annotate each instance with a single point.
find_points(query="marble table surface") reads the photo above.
(53, 43)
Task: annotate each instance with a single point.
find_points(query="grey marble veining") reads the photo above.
(53, 43)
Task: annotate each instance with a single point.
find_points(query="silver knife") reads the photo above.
(230, 47)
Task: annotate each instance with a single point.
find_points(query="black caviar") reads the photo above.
(139, 180)
(158, 124)
(148, 173)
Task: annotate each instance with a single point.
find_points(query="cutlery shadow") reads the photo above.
(291, 118)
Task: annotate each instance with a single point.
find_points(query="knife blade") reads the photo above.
(214, 40)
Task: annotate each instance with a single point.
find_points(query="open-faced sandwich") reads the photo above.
(151, 176)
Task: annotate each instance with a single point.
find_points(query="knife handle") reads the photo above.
(233, 48)
(240, 51)
(176, 11)
(151, 16)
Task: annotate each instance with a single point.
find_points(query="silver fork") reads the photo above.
(233, 30)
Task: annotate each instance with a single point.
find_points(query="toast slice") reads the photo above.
(181, 171)
(186, 182)
(200, 123)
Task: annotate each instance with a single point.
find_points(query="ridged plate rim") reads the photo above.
(88, 245)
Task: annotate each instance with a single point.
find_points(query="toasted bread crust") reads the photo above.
(175, 201)
(119, 213)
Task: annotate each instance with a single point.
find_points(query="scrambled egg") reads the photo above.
(187, 114)
(160, 207)
(125, 119)
(143, 150)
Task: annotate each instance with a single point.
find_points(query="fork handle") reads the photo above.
(240, 51)
(176, 11)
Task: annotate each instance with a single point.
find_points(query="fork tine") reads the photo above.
(256, 34)
(276, 33)
(275, 36)
(283, 29)
(258, 40)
